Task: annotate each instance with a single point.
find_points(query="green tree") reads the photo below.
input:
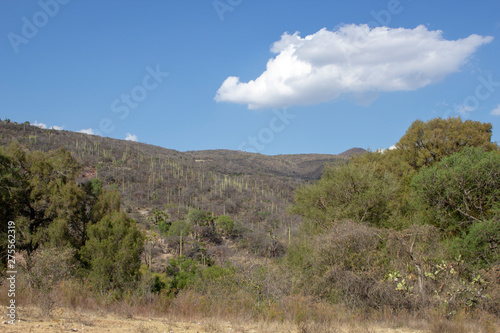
(42, 189)
(347, 192)
(390, 162)
(461, 190)
(106, 203)
(112, 252)
(179, 227)
(198, 217)
(183, 272)
(226, 224)
(10, 199)
(425, 143)
(39, 191)
(163, 228)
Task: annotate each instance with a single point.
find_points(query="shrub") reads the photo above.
(163, 228)
(112, 252)
(226, 224)
(480, 247)
(355, 192)
(461, 190)
(179, 227)
(47, 268)
(198, 217)
(151, 283)
(183, 272)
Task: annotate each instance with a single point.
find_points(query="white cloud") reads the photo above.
(86, 131)
(39, 125)
(44, 126)
(131, 137)
(464, 109)
(382, 150)
(354, 61)
(496, 111)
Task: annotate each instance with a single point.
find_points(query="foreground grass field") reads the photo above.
(70, 321)
(65, 320)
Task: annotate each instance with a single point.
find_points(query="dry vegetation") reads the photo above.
(221, 250)
(68, 320)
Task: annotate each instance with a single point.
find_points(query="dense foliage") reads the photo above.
(461, 190)
(389, 227)
(409, 229)
(425, 143)
(39, 192)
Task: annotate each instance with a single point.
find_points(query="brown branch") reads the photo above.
(468, 215)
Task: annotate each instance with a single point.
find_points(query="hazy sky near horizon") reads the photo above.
(274, 77)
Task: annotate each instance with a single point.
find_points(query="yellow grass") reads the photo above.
(65, 320)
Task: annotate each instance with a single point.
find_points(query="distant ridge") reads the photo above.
(303, 166)
(230, 162)
(352, 151)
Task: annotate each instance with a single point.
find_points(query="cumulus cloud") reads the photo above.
(353, 60)
(382, 150)
(44, 126)
(39, 125)
(88, 131)
(496, 111)
(131, 137)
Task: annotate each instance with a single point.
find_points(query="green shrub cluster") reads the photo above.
(53, 212)
(406, 228)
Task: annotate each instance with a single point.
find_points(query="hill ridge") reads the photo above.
(304, 166)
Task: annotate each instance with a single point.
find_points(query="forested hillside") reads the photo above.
(412, 231)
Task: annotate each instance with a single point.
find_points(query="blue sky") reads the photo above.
(274, 77)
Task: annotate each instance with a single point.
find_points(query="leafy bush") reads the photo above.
(152, 283)
(183, 272)
(354, 192)
(238, 230)
(226, 224)
(112, 252)
(198, 217)
(163, 228)
(179, 227)
(480, 246)
(461, 190)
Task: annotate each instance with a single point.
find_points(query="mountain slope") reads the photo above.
(250, 187)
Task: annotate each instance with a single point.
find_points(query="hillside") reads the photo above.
(301, 166)
(252, 188)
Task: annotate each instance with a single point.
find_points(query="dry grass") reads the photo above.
(192, 311)
(65, 320)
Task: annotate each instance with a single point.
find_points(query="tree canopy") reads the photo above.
(425, 143)
(40, 193)
(462, 189)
